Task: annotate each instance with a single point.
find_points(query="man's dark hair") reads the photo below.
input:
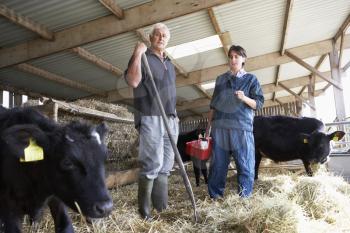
(239, 50)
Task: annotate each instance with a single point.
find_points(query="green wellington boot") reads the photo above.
(144, 196)
(160, 192)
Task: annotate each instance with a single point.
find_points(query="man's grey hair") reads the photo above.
(160, 26)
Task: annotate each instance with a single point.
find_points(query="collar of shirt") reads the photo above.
(240, 73)
(165, 57)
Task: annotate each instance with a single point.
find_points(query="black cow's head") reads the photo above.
(318, 145)
(74, 157)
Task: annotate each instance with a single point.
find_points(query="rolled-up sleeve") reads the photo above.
(257, 94)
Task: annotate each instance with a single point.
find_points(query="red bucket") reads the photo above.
(195, 149)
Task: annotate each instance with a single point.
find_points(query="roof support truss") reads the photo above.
(58, 79)
(113, 7)
(86, 55)
(26, 22)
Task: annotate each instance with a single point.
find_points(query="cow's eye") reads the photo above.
(67, 164)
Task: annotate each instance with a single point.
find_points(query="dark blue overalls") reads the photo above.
(232, 132)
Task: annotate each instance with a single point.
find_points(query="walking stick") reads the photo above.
(176, 151)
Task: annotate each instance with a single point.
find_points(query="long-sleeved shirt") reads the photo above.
(230, 112)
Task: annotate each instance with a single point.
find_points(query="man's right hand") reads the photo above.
(140, 48)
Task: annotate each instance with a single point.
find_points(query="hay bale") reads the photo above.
(122, 138)
(321, 196)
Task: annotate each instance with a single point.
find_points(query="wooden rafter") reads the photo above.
(26, 22)
(113, 7)
(302, 90)
(225, 37)
(58, 79)
(104, 27)
(312, 69)
(346, 66)
(287, 15)
(276, 81)
(342, 28)
(83, 53)
(341, 48)
(296, 95)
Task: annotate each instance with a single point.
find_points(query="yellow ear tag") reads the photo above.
(306, 141)
(33, 152)
(335, 138)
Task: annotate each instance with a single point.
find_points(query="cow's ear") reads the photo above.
(25, 139)
(304, 138)
(102, 129)
(336, 136)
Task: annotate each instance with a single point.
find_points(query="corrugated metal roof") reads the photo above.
(11, 34)
(116, 50)
(255, 25)
(315, 20)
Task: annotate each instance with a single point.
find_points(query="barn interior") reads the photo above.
(73, 55)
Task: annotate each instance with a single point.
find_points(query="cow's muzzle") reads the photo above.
(102, 209)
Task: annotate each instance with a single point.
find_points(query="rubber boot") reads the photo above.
(160, 193)
(144, 197)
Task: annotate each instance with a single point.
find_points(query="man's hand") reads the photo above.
(140, 48)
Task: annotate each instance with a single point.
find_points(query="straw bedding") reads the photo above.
(282, 203)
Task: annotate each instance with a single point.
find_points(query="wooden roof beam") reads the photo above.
(342, 28)
(297, 96)
(225, 37)
(104, 27)
(86, 55)
(312, 69)
(58, 79)
(26, 22)
(346, 66)
(287, 15)
(284, 39)
(113, 7)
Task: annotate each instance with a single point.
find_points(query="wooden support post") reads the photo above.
(336, 76)
(17, 100)
(55, 112)
(11, 100)
(1, 97)
(311, 96)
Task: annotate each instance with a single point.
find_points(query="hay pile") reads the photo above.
(280, 203)
(122, 138)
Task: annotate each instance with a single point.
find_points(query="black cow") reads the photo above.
(70, 172)
(198, 165)
(283, 138)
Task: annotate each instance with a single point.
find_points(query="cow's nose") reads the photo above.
(103, 208)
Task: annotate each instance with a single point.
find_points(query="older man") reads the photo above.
(156, 155)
